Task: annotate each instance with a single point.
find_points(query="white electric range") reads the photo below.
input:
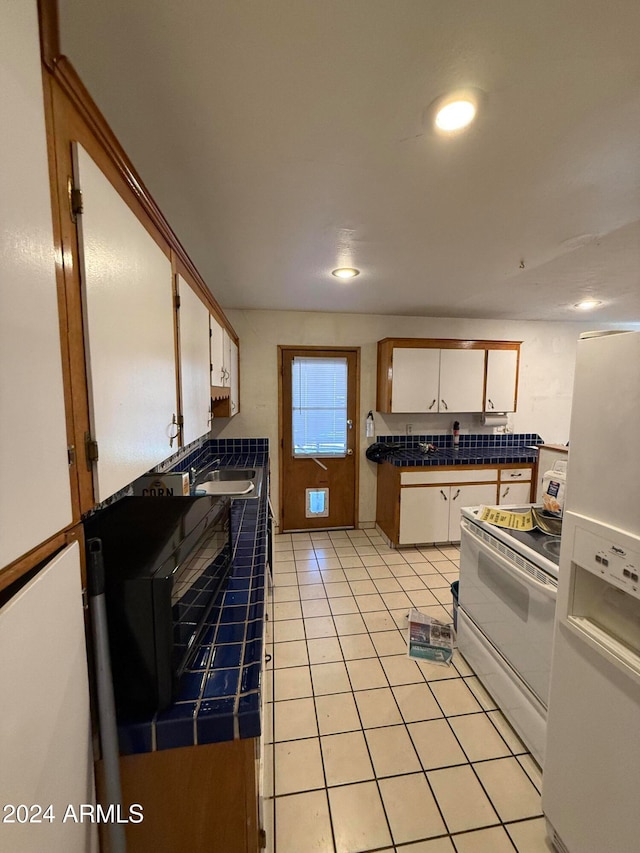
(506, 607)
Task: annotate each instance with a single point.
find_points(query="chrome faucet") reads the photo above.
(195, 472)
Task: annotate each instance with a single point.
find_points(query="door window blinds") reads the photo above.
(319, 406)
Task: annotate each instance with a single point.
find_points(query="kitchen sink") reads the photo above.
(221, 475)
(235, 488)
(235, 482)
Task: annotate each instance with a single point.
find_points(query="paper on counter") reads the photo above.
(506, 518)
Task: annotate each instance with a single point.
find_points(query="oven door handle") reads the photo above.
(550, 589)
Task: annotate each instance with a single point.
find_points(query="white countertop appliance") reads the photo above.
(507, 600)
(592, 767)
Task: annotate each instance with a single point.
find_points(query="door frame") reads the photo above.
(282, 349)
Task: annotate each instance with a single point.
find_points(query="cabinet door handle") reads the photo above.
(443, 495)
(456, 494)
(513, 476)
(177, 423)
(444, 404)
(491, 403)
(433, 402)
(506, 492)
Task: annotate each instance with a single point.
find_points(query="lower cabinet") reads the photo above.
(422, 505)
(514, 493)
(201, 799)
(432, 513)
(515, 486)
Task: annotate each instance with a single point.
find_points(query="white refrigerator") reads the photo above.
(591, 782)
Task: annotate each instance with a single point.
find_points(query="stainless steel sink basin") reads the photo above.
(235, 482)
(223, 474)
(235, 488)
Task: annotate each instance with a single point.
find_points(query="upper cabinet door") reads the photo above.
(502, 373)
(217, 345)
(129, 334)
(234, 379)
(415, 385)
(31, 386)
(461, 380)
(193, 322)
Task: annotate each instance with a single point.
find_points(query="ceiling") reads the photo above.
(284, 138)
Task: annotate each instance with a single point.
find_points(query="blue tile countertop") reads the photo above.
(473, 450)
(219, 696)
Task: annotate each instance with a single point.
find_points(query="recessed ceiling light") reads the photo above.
(455, 115)
(345, 272)
(588, 304)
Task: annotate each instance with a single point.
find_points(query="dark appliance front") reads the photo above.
(166, 562)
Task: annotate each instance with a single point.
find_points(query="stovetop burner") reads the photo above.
(542, 543)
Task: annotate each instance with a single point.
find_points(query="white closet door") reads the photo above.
(194, 363)
(502, 371)
(461, 380)
(128, 303)
(34, 449)
(45, 727)
(415, 379)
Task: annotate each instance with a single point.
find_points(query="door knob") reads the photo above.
(349, 452)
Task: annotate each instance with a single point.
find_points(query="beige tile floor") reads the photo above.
(365, 749)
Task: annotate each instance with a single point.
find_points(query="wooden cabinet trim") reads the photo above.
(74, 384)
(44, 551)
(452, 484)
(448, 343)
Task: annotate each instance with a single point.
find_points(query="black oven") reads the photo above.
(166, 563)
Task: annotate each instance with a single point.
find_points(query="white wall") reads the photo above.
(544, 398)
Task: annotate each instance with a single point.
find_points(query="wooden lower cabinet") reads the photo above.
(201, 799)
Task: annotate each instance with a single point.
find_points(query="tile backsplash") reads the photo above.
(476, 440)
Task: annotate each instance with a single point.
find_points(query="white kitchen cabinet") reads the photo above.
(432, 513)
(234, 378)
(33, 455)
(219, 346)
(502, 380)
(129, 334)
(515, 485)
(193, 324)
(514, 493)
(446, 376)
(437, 380)
(424, 514)
(416, 380)
(461, 380)
(45, 736)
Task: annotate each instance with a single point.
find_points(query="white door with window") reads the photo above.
(318, 438)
